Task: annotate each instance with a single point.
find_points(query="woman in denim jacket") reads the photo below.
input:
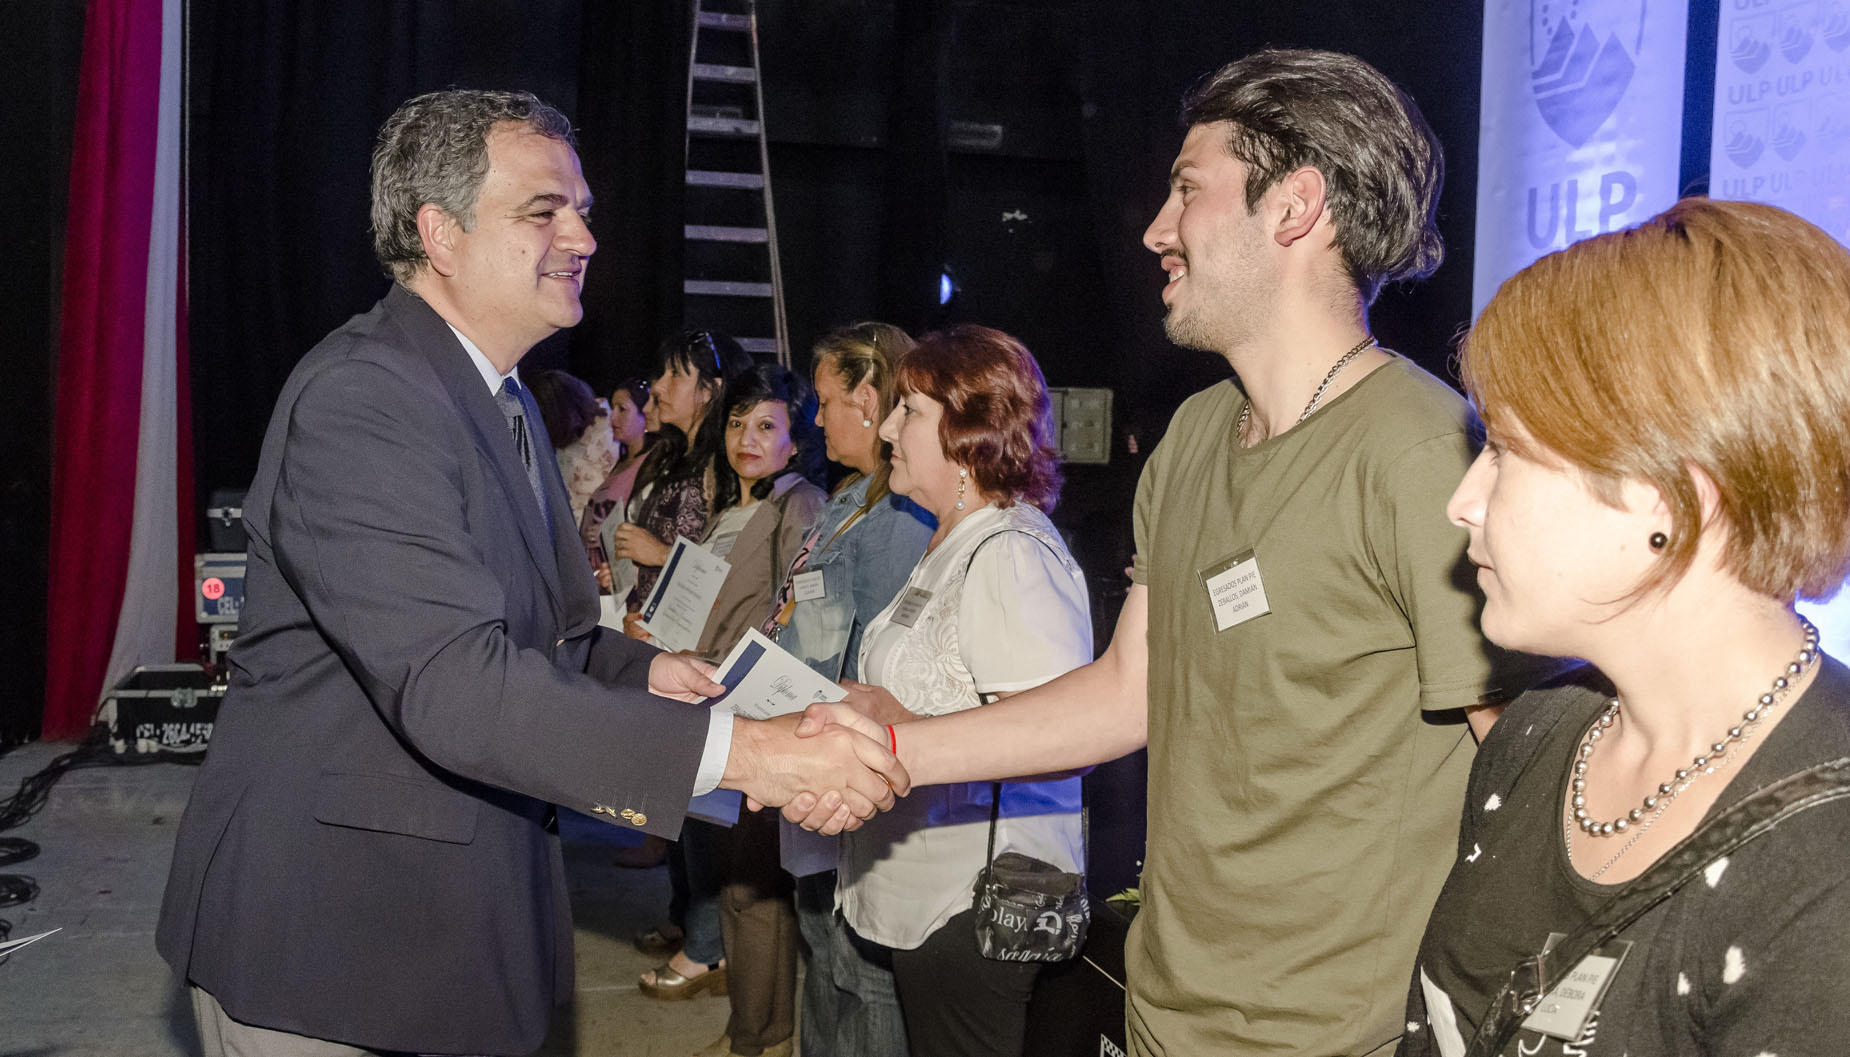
(851, 565)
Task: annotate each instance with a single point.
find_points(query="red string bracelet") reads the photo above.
(892, 741)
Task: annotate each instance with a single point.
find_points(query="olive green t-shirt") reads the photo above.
(1307, 765)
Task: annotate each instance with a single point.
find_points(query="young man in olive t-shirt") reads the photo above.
(1299, 648)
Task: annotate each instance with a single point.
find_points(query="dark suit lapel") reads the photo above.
(430, 335)
(577, 588)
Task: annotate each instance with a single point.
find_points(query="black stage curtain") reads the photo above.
(39, 84)
(286, 97)
(287, 94)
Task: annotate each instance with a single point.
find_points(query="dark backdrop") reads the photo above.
(38, 82)
(1040, 229)
(286, 97)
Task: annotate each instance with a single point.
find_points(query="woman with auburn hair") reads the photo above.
(1668, 470)
(854, 561)
(996, 606)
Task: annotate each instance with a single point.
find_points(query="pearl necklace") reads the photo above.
(1658, 801)
(1246, 413)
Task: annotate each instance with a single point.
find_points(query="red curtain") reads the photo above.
(100, 352)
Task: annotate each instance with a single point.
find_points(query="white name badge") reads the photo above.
(1235, 591)
(807, 586)
(1564, 1011)
(911, 604)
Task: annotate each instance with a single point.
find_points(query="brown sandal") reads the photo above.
(671, 986)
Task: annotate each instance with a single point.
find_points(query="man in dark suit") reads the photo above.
(365, 863)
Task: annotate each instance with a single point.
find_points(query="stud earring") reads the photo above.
(963, 481)
(867, 423)
(1659, 541)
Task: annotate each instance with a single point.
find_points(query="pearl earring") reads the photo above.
(867, 423)
(1659, 541)
(963, 481)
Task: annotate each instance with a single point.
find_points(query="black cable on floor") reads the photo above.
(17, 810)
(31, 797)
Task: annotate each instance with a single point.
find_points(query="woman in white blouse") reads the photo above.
(996, 606)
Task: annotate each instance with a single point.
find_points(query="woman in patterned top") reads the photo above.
(673, 498)
(1667, 472)
(629, 429)
(579, 431)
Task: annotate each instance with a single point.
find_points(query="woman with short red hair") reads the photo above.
(996, 606)
(1651, 855)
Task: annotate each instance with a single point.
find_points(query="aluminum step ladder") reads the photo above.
(732, 281)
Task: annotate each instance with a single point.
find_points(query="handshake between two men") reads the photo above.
(828, 775)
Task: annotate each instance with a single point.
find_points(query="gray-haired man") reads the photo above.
(365, 863)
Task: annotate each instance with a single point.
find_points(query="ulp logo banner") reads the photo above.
(1782, 136)
(1581, 128)
(1782, 108)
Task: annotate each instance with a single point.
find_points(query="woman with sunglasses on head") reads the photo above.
(1667, 472)
(675, 484)
(673, 497)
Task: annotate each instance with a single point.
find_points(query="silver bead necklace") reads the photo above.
(1246, 413)
(1640, 818)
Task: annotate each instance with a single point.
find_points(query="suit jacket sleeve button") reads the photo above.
(639, 819)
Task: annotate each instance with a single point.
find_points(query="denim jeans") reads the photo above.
(700, 917)
(850, 1008)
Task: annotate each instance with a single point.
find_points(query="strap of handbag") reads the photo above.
(1722, 834)
(995, 814)
(995, 798)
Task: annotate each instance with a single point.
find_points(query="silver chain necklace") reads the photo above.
(1637, 820)
(1246, 413)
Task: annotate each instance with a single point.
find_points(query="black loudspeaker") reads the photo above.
(164, 710)
(1015, 89)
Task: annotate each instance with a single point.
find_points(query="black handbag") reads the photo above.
(1027, 910)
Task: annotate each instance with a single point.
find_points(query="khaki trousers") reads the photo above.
(757, 920)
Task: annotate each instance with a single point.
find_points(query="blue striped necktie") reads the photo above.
(514, 409)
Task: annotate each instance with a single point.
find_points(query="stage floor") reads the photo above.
(98, 989)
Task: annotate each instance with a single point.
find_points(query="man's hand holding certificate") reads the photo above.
(763, 680)
(767, 689)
